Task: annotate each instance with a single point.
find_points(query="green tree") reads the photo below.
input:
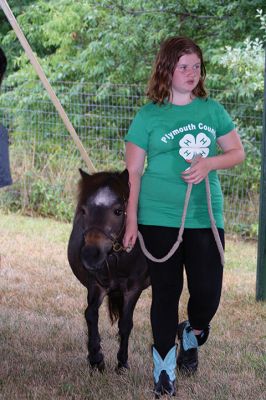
(243, 67)
(115, 41)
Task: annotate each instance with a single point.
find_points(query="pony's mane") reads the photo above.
(88, 184)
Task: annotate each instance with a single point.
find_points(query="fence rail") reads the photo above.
(41, 148)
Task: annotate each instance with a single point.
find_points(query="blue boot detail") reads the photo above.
(164, 372)
(189, 339)
(187, 359)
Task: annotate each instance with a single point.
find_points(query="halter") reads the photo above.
(114, 238)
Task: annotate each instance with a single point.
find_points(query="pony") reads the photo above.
(101, 263)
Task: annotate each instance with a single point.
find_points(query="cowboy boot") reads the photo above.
(187, 359)
(164, 373)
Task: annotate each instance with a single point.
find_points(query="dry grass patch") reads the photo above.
(43, 332)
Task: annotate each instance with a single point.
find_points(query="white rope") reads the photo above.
(13, 22)
(213, 224)
(181, 230)
(179, 238)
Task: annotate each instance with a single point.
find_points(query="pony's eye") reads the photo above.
(118, 211)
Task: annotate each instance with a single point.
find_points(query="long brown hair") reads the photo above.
(160, 83)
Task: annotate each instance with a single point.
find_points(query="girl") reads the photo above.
(179, 122)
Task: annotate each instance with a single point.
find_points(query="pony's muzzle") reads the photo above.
(95, 250)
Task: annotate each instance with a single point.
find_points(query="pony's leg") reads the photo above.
(95, 355)
(125, 325)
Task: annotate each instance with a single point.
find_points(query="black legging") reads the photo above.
(199, 254)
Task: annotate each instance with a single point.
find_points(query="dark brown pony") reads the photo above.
(100, 262)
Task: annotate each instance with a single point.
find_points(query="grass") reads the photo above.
(43, 332)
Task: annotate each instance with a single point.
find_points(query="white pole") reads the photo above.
(13, 22)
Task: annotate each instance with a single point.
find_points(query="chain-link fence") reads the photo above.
(45, 161)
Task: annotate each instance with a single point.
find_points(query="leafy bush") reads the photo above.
(49, 201)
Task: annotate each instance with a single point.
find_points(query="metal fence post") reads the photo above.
(261, 263)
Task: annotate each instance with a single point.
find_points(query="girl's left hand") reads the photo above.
(196, 173)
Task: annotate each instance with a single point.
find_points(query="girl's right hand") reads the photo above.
(131, 234)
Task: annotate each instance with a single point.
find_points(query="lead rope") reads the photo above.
(213, 224)
(181, 230)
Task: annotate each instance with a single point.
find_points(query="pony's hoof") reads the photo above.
(121, 368)
(100, 366)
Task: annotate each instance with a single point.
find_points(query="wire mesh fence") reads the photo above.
(45, 161)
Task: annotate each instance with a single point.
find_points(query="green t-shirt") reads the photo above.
(170, 134)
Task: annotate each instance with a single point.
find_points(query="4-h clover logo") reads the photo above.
(189, 146)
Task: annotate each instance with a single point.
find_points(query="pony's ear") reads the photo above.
(124, 176)
(83, 174)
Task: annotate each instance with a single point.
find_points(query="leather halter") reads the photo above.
(115, 238)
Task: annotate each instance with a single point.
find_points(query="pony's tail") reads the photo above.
(115, 305)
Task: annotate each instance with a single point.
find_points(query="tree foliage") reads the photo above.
(116, 40)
